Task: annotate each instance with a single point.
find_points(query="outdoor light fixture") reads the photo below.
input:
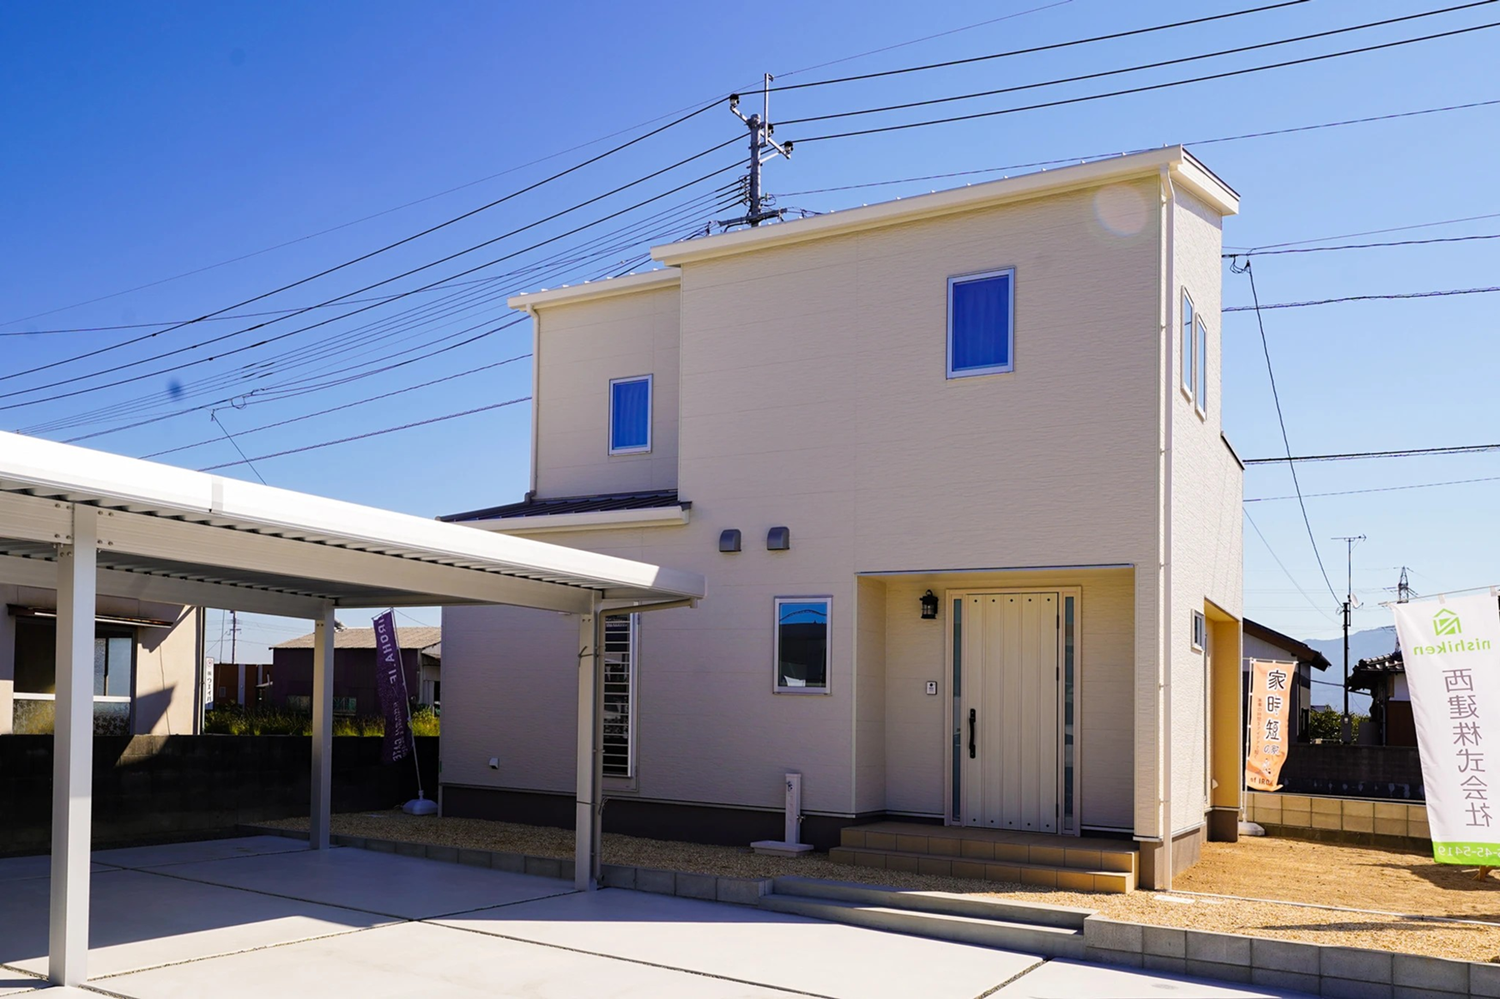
(778, 539)
(729, 540)
(929, 606)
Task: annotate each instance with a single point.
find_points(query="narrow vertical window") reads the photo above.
(958, 686)
(620, 632)
(1070, 740)
(1201, 359)
(981, 324)
(1187, 344)
(802, 645)
(630, 415)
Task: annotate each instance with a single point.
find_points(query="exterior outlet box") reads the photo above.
(932, 686)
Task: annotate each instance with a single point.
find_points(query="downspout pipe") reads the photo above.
(1164, 576)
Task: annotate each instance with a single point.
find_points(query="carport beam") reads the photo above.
(73, 752)
(320, 815)
(590, 754)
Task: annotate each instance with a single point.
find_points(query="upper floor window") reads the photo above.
(1200, 359)
(630, 415)
(802, 645)
(981, 323)
(1188, 378)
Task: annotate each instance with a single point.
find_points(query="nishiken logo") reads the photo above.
(1445, 622)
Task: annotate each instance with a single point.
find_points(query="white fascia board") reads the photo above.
(599, 520)
(42, 574)
(963, 199)
(590, 290)
(88, 476)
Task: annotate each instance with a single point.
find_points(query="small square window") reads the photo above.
(981, 324)
(1200, 358)
(630, 415)
(802, 645)
(1200, 631)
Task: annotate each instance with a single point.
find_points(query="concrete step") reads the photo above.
(1049, 941)
(1016, 872)
(993, 846)
(938, 902)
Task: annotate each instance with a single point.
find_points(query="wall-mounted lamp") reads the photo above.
(929, 606)
(729, 540)
(778, 539)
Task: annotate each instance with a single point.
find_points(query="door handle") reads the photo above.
(972, 716)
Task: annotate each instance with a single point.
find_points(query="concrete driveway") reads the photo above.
(263, 916)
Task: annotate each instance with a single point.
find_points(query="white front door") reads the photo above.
(1008, 708)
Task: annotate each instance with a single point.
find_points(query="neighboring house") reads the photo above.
(1265, 643)
(1390, 700)
(146, 665)
(954, 470)
(287, 682)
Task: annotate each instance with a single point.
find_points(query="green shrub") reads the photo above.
(232, 719)
(1329, 725)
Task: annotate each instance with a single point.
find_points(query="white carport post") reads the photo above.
(590, 758)
(73, 752)
(320, 816)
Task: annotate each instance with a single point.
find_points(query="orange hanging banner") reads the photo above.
(1270, 710)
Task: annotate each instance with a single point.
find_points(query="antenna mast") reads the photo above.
(762, 149)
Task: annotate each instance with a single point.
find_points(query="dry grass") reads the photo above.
(1270, 871)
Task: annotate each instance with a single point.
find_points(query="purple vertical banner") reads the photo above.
(391, 684)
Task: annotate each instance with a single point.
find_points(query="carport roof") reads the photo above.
(189, 537)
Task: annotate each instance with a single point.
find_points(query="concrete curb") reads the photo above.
(1319, 969)
(706, 887)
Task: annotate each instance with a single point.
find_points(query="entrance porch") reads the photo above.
(1067, 863)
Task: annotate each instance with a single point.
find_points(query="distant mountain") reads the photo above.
(1362, 645)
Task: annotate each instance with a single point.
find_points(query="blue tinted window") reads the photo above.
(980, 321)
(801, 645)
(630, 415)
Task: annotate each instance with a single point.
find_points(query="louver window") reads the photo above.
(619, 695)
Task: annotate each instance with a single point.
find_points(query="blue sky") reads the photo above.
(145, 141)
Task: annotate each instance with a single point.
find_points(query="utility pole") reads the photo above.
(760, 128)
(1347, 733)
(1403, 589)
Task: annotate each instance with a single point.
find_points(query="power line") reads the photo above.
(1281, 419)
(347, 405)
(1287, 572)
(1196, 142)
(548, 265)
(1152, 87)
(1399, 228)
(1361, 246)
(369, 434)
(1180, 60)
(368, 287)
(230, 438)
(925, 38)
(1395, 296)
(1357, 455)
(305, 385)
(1053, 46)
(304, 329)
(441, 225)
(1379, 489)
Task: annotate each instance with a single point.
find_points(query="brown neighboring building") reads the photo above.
(1390, 699)
(1264, 643)
(287, 682)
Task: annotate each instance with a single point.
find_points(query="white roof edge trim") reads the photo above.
(996, 192)
(88, 476)
(607, 288)
(597, 520)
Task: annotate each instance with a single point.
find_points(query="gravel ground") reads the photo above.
(1260, 870)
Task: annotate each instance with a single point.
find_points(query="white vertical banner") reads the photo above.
(1451, 649)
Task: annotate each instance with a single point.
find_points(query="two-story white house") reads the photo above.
(953, 468)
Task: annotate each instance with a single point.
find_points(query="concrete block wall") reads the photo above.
(1317, 969)
(184, 786)
(1358, 821)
